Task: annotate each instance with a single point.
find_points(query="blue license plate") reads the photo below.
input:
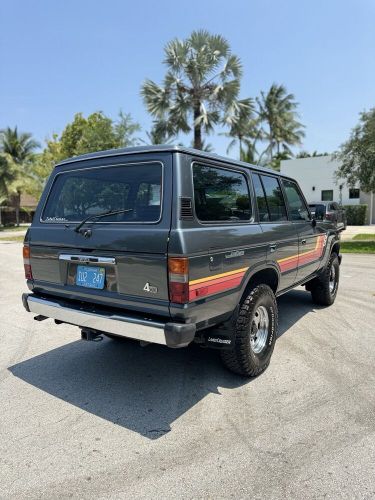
(90, 277)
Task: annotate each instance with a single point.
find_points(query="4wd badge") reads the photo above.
(150, 288)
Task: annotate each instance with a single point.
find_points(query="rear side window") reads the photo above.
(80, 193)
(220, 195)
(261, 199)
(297, 207)
(274, 198)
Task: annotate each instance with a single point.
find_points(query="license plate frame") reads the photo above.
(90, 277)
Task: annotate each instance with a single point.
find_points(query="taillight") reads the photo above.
(178, 279)
(26, 262)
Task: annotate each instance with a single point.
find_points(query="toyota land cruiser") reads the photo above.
(171, 245)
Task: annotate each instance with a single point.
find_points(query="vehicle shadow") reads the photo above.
(292, 307)
(144, 389)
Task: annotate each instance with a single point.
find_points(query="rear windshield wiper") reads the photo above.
(100, 216)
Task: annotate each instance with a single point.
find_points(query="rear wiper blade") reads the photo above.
(100, 216)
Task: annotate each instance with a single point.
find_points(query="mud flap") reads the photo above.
(221, 336)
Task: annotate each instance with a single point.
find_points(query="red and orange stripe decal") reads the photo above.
(217, 283)
(294, 261)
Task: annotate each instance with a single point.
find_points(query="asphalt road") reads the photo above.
(115, 420)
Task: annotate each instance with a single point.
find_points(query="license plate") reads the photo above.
(90, 277)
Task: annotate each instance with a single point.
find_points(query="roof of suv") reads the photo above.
(166, 148)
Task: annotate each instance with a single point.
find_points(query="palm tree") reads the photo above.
(277, 109)
(7, 176)
(200, 88)
(306, 154)
(159, 133)
(20, 148)
(244, 129)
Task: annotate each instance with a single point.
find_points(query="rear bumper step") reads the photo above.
(170, 334)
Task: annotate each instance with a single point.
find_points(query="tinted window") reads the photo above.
(220, 195)
(334, 206)
(327, 195)
(318, 211)
(261, 199)
(297, 207)
(80, 193)
(274, 198)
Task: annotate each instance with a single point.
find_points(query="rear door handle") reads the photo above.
(303, 242)
(273, 247)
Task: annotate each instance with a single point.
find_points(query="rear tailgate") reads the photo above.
(123, 263)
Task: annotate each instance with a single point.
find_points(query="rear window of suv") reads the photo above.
(80, 193)
(221, 195)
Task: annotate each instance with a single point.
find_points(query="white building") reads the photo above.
(316, 176)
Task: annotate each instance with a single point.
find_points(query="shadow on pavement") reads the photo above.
(292, 307)
(144, 389)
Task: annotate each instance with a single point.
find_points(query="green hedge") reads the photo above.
(356, 214)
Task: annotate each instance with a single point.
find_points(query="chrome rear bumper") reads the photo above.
(170, 334)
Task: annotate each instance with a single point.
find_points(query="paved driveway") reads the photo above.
(114, 420)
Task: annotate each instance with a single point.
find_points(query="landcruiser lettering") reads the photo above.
(171, 245)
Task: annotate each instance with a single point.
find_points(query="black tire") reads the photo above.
(324, 288)
(242, 358)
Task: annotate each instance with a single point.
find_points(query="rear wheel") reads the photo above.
(255, 334)
(324, 288)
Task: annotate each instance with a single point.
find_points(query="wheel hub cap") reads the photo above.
(259, 330)
(332, 279)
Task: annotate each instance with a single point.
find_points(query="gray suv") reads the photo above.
(171, 245)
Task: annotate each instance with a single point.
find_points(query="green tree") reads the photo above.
(8, 175)
(200, 88)
(306, 154)
(19, 147)
(83, 135)
(97, 132)
(244, 130)
(357, 154)
(277, 111)
(159, 133)
(276, 160)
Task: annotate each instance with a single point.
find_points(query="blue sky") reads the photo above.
(58, 58)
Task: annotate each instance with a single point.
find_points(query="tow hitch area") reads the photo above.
(91, 335)
(40, 317)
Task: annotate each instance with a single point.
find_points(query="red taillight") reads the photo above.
(26, 262)
(178, 275)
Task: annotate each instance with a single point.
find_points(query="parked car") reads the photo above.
(329, 211)
(171, 245)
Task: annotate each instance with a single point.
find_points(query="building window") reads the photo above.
(327, 195)
(353, 193)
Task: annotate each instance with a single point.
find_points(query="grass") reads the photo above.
(364, 237)
(357, 246)
(12, 228)
(18, 238)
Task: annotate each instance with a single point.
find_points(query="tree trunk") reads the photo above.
(271, 142)
(240, 141)
(197, 128)
(18, 204)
